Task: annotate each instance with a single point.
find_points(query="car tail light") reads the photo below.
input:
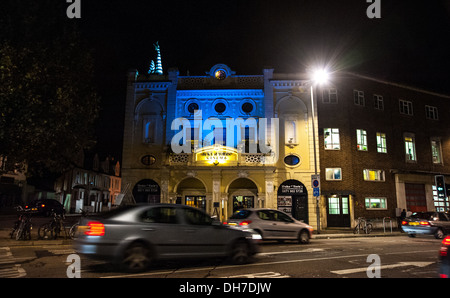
(446, 241)
(245, 223)
(43, 205)
(424, 223)
(95, 228)
(444, 248)
(404, 223)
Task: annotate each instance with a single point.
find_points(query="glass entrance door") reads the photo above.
(338, 214)
(242, 202)
(196, 201)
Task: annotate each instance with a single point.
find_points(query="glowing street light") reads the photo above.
(319, 77)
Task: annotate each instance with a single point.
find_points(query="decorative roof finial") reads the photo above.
(159, 69)
(156, 69)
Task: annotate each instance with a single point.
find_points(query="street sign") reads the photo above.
(315, 181)
(316, 192)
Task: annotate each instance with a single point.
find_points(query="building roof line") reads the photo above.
(396, 84)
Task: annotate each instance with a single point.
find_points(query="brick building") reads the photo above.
(381, 145)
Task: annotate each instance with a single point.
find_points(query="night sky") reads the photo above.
(408, 44)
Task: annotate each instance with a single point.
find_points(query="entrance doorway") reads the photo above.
(293, 199)
(147, 191)
(338, 214)
(242, 202)
(196, 201)
(243, 193)
(416, 200)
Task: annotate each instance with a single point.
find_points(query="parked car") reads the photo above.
(271, 224)
(45, 207)
(134, 236)
(444, 258)
(431, 223)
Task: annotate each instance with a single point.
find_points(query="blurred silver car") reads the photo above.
(271, 224)
(134, 236)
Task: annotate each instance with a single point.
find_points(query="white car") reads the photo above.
(271, 224)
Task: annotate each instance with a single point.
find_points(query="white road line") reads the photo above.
(401, 264)
(256, 264)
(6, 258)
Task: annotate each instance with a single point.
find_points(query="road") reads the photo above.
(385, 257)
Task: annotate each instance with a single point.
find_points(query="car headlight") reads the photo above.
(256, 236)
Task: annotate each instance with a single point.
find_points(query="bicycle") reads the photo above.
(53, 229)
(364, 225)
(22, 227)
(74, 227)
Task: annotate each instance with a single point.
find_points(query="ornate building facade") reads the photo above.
(220, 141)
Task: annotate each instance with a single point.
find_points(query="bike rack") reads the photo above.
(384, 223)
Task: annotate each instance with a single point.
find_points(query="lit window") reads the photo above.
(373, 175)
(381, 142)
(333, 174)
(361, 139)
(410, 147)
(376, 203)
(331, 138)
(436, 151)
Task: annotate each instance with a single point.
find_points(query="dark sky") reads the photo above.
(408, 44)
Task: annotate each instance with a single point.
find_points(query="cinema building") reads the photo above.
(222, 141)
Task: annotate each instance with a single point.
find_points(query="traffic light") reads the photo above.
(440, 186)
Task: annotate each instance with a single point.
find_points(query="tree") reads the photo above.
(47, 101)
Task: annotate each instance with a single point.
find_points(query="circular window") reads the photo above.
(220, 107)
(192, 107)
(220, 74)
(247, 107)
(292, 160)
(148, 160)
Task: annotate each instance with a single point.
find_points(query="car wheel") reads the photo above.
(303, 237)
(439, 234)
(137, 258)
(240, 253)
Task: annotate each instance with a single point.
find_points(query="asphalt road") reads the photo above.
(385, 257)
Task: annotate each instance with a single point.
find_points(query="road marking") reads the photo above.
(260, 275)
(256, 264)
(401, 264)
(290, 251)
(12, 271)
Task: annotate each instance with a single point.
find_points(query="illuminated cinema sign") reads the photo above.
(216, 154)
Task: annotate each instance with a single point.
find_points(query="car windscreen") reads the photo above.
(241, 214)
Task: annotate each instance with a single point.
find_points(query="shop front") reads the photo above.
(147, 191)
(292, 198)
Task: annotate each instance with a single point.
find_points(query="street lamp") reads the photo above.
(319, 77)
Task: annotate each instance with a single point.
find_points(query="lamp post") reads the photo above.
(320, 76)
